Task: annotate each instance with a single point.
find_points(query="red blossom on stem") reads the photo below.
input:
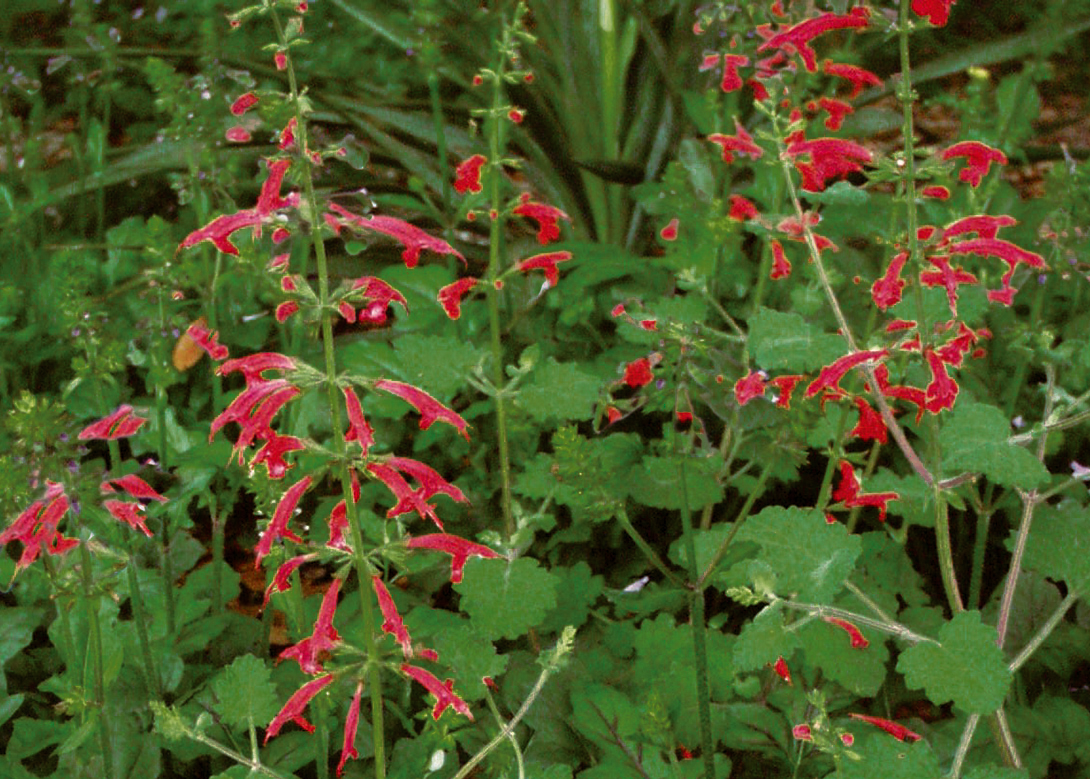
(850, 490)
(467, 176)
(36, 527)
(450, 296)
(638, 373)
(749, 387)
(278, 525)
(546, 262)
(942, 391)
(669, 232)
(781, 669)
(936, 11)
(351, 723)
(837, 110)
(858, 640)
(272, 452)
(978, 158)
(948, 278)
(796, 39)
(785, 385)
(858, 77)
(781, 266)
(742, 209)
(392, 622)
(323, 638)
(459, 549)
(830, 376)
(984, 225)
(120, 424)
(870, 426)
(830, 158)
(741, 142)
(546, 216)
(443, 691)
(381, 295)
(408, 499)
(886, 291)
(134, 485)
(431, 410)
(358, 428)
(252, 367)
(207, 340)
(297, 703)
(410, 236)
(898, 731)
(243, 103)
(282, 578)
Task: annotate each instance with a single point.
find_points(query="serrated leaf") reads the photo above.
(577, 590)
(785, 340)
(764, 640)
(657, 483)
(809, 557)
(966, 667)
(437, 364)
(559, 391)
(996, 772)
(603, 714)
(883, 756)
(976, 439)
(246, 693)
(504, 598)
(468, 655)
(862, 671)
(1059, 545)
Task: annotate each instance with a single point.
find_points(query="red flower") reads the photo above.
(935, 191)
(612, 414)
(856, 75)
(129, 513)
(851, 492)
(351, 723)
(358, 429)
(742, 209)
(410, 236)
(253, 410)
(942, 391)
(431, 410)
(293, 709)
(133, 485)
(243, 103)
(638, 373)
(119, 424)
(323, 639)
(669, 232)
(36, 527)
(782, 670)
(741, 142)
(338, 519)
(984, 225)
(899, 732)
(408, 499)
(392, 622)
(947, 277)
(830, 158)
(830, 375)
(886, 291)
(837, 110)
(785, 385)
(796, 39)
(913, 395)
(781, 266)
(278, 525)
(546, 216)
(858, 640)
(802, 733)
(467, 176)
(237, 135)
(546, 262)
(282, 578)
(978, 156)
(870, 426)
(749, 387)
(253, 366)
(207, 340)
(936, 11)
(271, 454)
(459, 549)
(381, 296)
(443, 691)
(450, 296)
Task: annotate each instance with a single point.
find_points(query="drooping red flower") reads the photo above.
(741, 142)
(546, 216)
(936, 11)
(942, 391)
(253, 366)
(731, 80)
(431, 410)
(898, 731)
(323, 638)
(450, 296)
(742, 209)
(282, 578)
(948, 278)
(984, 225)
(129, 513)
(978, 156)
(297, 703)
(1005, 250)
(858, 640)
(830, 159)
(830, 376)
(278, 525)
(351, 723)
(859, 77)
(836, 109)
(669, 232)
(850, 490)
(36, 527)
(935, 191)
(638, 373)
(358, 428)
(886, 291)
(913, 395)
(238, 135)
(459, 549)
(408, 499)
(443, 691)
(120, 424)
(410, 236)
(781, 266)
(870, 426)
(785, 385)
(207, 340)
(338, 519)
(243, 103)
(392, 622)
(134, 485)
(802, 733)
(253, 410)
(379, 295)
(467, 176)
(797, 38)
(749, 387)
(547, 262)
(781, 669)
(271, 454)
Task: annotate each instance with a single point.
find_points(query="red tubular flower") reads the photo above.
(731, 80)
(287, 135)
(358, 428)
(942, 391)
(392, 622)
(408, 499)
(36, 527)
(253, 366)
(243, 103)
(443, 691)
(546, 262)
(851, 492)
(936, 192)
(948, 278)
(546, 216)
(837, 110)
(129, 513)
(431, 483)
(381, 295)
(323, 639)
(749, 387)
(742, 209)
(282, 578)
(1004, 250)
(467, 176)
(781, 266)
(450, 296)
(858, 77)
(984, 225)
(978, 157)
(802, 733)
(797, 37)
(271, 454)
(870, 426)
(207, 340)
(886, 291)
(830, 376)
(351, 723)
(954, 350)
(936, 11)
(285, 310)
(898, 731)
(459, 549)
(785, 385)
(338, 519)
(253, 410)
(410, 236)
(133, 485)
(612, 414)
(237, 135)
(669, 232)
(293, 709)
(913, 395)
(278, 525)
(120, 424)
(431, 410)
(782, 670)
(858, 640)
(741, 142)
(830, 158)
(638, 373)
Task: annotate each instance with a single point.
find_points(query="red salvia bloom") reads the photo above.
(870, 426)
(338, 519)
(638, 373)
(886, 291)
(913, 395)
(731, 80)
(358, 428)
(830, 376)
(851, 492)
(742, 209)
(781, 266)
(243, 103)
(253, 366)
(134, 485)
(351, 723)
(120, 424)
(546, 216)
(984, 225)
(942, 391)
(293, 709)
(858, 77)
(858, 640)
(830, 158)
(392, 622)
(323, 639)
(467, 176)
(459, 549)
(431, 410)
(741, 142)
(935, 191)
(936, 11)
(278, 525)
(36, 527)
(282, 578)
(837, 110)
(443, 691)
(749, 387)
(408, 499)
(898, 731)
(381, 295)
(785, 385)
(272, 452)
(253, 410)
(129, 513)
(450, 296)
(431, 483)
(207, 340)
(948, 278)
(781, 669)
(796, 39)
(546, 262)
(410, 236)
(978, 157)
(669, 232)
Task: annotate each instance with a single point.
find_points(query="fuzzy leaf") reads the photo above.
(468, 654)
(884, 756)
(764, 640)
(780, 340)
(559, 391)
(246, 693)
(505, 599)
(657, 483)
(997, 772)
(862, 671)
(967, 667)
(435, 363)
(976, 439)
(808, 556)
(1059, 546)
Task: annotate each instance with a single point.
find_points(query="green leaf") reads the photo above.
(468, 654)
(505, 598)
(809, 557)
(437, 364)
(603, 714)
(657, 484)
(559, 391)
(1059, 546)
(881, 755)
(19, 626)
(576, 593)
(785, 340)
(862, 671)
(965, 667)
(764, 640)
(246, 692)
(996, 772)
(975, 438)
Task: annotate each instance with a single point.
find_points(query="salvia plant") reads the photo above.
(404, 476)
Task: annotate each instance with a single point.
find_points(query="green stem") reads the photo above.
(219, 535)
(963, 746)
(140, 617)
(1045, 630)
(440, 135)
(758, 490)
(94, 637)
(648, 551)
